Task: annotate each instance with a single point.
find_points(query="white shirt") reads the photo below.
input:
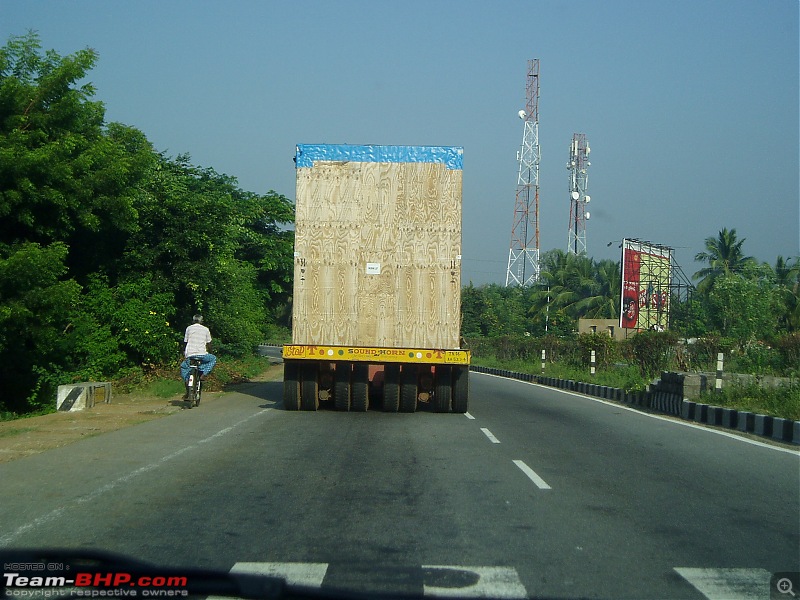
(196, 338)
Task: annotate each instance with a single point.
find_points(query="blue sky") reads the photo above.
(690, 106)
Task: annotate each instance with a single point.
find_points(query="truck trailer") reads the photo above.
(376, 307)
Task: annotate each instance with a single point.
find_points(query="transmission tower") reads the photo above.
(578, 198)
(523, 255)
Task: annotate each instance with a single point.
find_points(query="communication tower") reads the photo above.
(578, 196)
(523, 255)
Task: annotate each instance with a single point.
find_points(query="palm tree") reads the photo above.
(578, 286)
(724, 256)
(787, 280)
(601, 299)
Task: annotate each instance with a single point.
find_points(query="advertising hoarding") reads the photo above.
(646, 278)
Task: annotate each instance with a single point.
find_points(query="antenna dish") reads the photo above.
(587, 216)
(575, 195)
(587, 198)
(522, 114)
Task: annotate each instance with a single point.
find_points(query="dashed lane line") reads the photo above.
(531, 474)
(490, 435)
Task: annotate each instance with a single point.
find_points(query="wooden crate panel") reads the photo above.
(377, 255)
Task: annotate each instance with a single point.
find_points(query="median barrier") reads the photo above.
(785, 430)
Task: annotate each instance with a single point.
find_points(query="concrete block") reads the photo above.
(730, 417)
(763, 425)
(714, 415)
(701, 413)
(687, 410)
(746, 421)
(796, 432)
(80, 396)
(782, 429)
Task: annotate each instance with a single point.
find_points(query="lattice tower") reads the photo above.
(578, 193)
(523, 254)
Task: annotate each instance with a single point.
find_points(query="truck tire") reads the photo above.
(291, 386)
(391, 388)
(359, 389)
(408, 389)
(460, 389)
(309, 395)
(443, 389)
(341, 389)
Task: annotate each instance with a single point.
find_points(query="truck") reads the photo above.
(376, 308)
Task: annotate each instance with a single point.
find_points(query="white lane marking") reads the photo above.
(438, 581)
(305, 574)
(674, 420)
(489, 435)
(493, 582)
(540, 483)
(469, 416)
(54, 514)
(728, 584)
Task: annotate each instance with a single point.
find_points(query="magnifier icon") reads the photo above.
(784, 586)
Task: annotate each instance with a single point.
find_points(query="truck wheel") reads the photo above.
(408, 389)
(291, 386)
(360, 388)
(442, 390)
(309, 396)
(460, 389)
(391, 388)
(341, 389)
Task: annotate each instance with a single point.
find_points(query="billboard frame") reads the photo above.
(646, 285)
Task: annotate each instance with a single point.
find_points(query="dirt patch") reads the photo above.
(32, 435)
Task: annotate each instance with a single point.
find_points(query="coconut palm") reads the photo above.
(578, 286)
(724, 256)
(787, 281)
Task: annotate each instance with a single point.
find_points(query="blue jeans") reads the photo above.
(207, 362)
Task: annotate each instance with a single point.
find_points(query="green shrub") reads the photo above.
(651, 351)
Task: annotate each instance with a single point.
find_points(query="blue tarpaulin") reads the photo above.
(450, 156)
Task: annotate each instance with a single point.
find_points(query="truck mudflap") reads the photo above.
(377, 355)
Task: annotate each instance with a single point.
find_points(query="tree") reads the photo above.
(787, 281)
(36, 301)
(577, 287)
(106, 247)
(63, 176)
(724, 256)
(214, 248)
(742, 309)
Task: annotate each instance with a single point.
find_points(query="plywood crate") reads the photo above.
(378, 246)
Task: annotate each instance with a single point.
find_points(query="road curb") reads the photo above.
(776, 428)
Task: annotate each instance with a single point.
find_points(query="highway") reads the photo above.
(534, 493)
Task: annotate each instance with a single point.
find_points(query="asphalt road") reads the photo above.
(534, 493)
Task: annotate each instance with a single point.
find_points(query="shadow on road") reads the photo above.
(269, 391)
